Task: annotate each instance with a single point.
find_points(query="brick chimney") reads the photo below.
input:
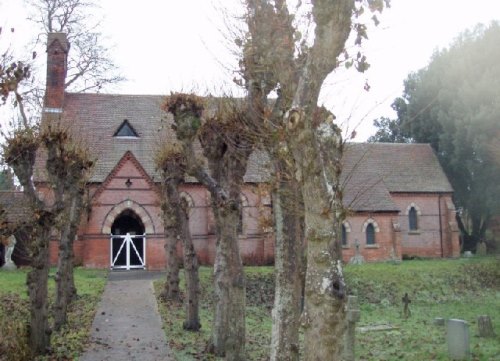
(57, 56)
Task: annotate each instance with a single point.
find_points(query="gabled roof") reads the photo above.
(372, 171)
(95, 118)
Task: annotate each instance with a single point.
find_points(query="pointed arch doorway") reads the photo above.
(128, 242)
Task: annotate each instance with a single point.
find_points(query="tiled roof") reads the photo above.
(374, 170)
(95, 118)
(371, 171)
(16, 206)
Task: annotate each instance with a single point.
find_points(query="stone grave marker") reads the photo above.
(485, 327)
(357, 258)
(353, 316)
(458, 340)
(481, 249)
(439, 321)
(468, 254)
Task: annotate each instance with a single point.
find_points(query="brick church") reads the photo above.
(398, 197)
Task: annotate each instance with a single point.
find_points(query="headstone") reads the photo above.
(357, 258)
(353, 316)
(481, 249)
(468, 254)
(439, 321)
(9, 264)
(484, 326)
(406, 306)
(457, 338)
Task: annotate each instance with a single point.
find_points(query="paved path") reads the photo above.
(127, 325)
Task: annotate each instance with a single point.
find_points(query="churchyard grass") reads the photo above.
(66, 344)
(464, 289)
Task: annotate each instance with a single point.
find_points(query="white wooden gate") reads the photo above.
(128, 251)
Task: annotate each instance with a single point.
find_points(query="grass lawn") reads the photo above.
(66, 344)
(464, 289)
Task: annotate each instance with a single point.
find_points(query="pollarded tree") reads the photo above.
(275, 58)
(63, 156)
(171, 161)
(227, 147)
(72, 172)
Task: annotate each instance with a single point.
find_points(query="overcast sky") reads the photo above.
(174, 45)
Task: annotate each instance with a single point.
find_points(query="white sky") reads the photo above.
(177, 45)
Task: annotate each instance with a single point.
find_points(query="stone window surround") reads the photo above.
(376, 229)
(419, 213)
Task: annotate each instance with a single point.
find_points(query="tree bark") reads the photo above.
(172, 235)
(66, 290)
(228, 334)
(191, 276)
(37, 280)
(288, 215)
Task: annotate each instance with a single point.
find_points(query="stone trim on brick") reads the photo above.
(141, 212)
(372, 221)
(417, 208)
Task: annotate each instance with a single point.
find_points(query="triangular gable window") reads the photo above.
(126, 130)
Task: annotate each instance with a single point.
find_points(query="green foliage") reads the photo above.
(464, 288)
(453, 104)
(67, 343)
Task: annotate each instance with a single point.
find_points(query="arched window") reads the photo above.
(412, 219)
(370, 234)
(344, 235)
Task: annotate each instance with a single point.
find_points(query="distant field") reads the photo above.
(464, 288)
(70, 341)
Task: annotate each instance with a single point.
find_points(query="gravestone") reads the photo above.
(468, 254)
(458, 340)
(357, 258)
(353, 316)
(481, 249)
(9, 264)
(484, 326)
(439, 321)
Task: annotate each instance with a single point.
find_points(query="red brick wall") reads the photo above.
(384, 247)
(92, 249)
(435, 236)
(392, 237)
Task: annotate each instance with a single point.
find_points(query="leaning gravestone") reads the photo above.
(457, 338)
(353, 316)
(9, 264)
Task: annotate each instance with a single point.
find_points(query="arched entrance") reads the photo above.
(128, 241)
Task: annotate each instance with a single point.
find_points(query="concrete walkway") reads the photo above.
(127, 325)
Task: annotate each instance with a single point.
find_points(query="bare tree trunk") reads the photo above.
(228, 334)
(191, 266)
(37, 279)
(65, 283)
(171, 286)
(317, 153)
(288, 215)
